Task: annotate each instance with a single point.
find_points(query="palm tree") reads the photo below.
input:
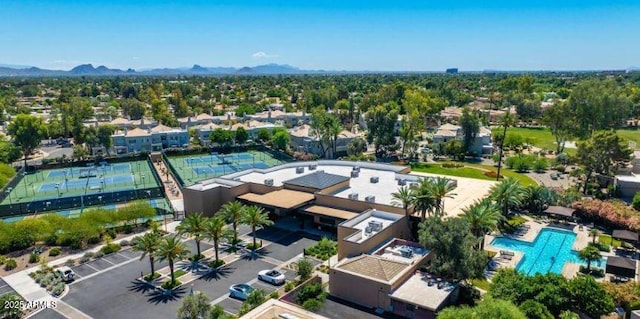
(172, 249)
(214, 230)
(507, 194)
(193, 225)
(440, 189)
(423, 198)
(255, 217)
(483, 216)
(537, 197)
(232, 211)
(594, 233)
(589, 254)
(506, 121)
(403, 197)
(148, 245)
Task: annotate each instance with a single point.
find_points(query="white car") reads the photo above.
(272, 276)
(67, 273)
(240, 291)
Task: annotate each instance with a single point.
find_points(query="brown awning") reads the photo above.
(621, 266)
(284, 198)
(560, 211)
(626, 235)
(330, 212)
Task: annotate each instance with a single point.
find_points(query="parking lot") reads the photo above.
(107, 288)
(4, 288)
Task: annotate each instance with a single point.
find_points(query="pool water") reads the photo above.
(550, 250)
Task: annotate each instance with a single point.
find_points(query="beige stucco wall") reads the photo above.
(354, 205)
(359, 290)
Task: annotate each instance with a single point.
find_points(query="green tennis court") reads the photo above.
(195, 168)
(85, 180)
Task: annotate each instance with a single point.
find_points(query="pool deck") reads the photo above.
(534, 226)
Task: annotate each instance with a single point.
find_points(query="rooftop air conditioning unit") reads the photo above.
(299, 170)
(355, 174)
(406, 252)
(402, 182)
(375, 225)
(353, 196)
(370, 199)
(374, 179)
(312, 167)
(356, 168)
(268, 181)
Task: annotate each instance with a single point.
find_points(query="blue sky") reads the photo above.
(387, 35)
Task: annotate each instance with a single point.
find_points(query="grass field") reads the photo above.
(542, 137)
(196, 168)
(76, 181)
(471, 170)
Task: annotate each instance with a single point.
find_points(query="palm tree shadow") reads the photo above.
(164, 296)
(255, 254)
(141, 286)
(192, 266)
(217, 274)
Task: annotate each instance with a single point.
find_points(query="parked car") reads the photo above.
(67, 273)
(272, 276)
(240, 291)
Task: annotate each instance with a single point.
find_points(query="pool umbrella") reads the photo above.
(621, 266)
(625, 235)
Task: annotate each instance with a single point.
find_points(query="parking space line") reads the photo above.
(4, 286)
(94, 268)
(123, 256)
(107, 261)
(220, 299)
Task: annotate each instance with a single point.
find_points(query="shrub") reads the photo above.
(34, 258)
(57, 289)
(98, 254)
(310, 291)
(84, 259)
(289, 286)
(304, 269)
(312, 304)
(452, 165)
(636, 201)
(170, 285)
(10, 264)
(69, 263)
(110, 248)
(54, 251)
(112, 233)
(216, 263)
(274, 295)
(124, 243)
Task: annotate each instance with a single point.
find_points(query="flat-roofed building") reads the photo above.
(368, 230)
(276, 309)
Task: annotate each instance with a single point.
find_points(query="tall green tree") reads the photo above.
(483, 217)
(470, 124)
(241, 135)
(505, 122)
(232, 212)
(487, 308)
(381, 121)
(441, 188)
(148, 245)
(560, 119)
(172, 249)
(193, 225)
(423, 198)
(255, 217)
(214, 229)
(27, 132)
(590, 297)
(507, 194)
(602, 153)
(404, 197)
(281, 140)
(589, 254)
(133, 108)
(453, 244)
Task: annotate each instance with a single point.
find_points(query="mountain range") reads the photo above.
(90, 70)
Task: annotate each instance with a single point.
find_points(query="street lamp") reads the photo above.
(148, 193)
(143, 184)
(58, 189)
(8, 192)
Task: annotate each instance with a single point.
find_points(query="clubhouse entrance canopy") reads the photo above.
(621, 266)
(283, 199)
(560, 211)
(329, 212)
(625, 235)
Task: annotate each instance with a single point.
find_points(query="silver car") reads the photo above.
(272, 276)
(240, 291)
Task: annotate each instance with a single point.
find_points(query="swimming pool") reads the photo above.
(547, 253)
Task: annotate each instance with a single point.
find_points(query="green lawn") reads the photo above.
(179, 273)
(542, 137)
(481, 283)
(472, 171)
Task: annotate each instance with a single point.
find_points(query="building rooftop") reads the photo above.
(330, 212)
(388, 262)
(284, 198)
(317, 180)
(276, 309)
(369, 223)
(418, 291)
